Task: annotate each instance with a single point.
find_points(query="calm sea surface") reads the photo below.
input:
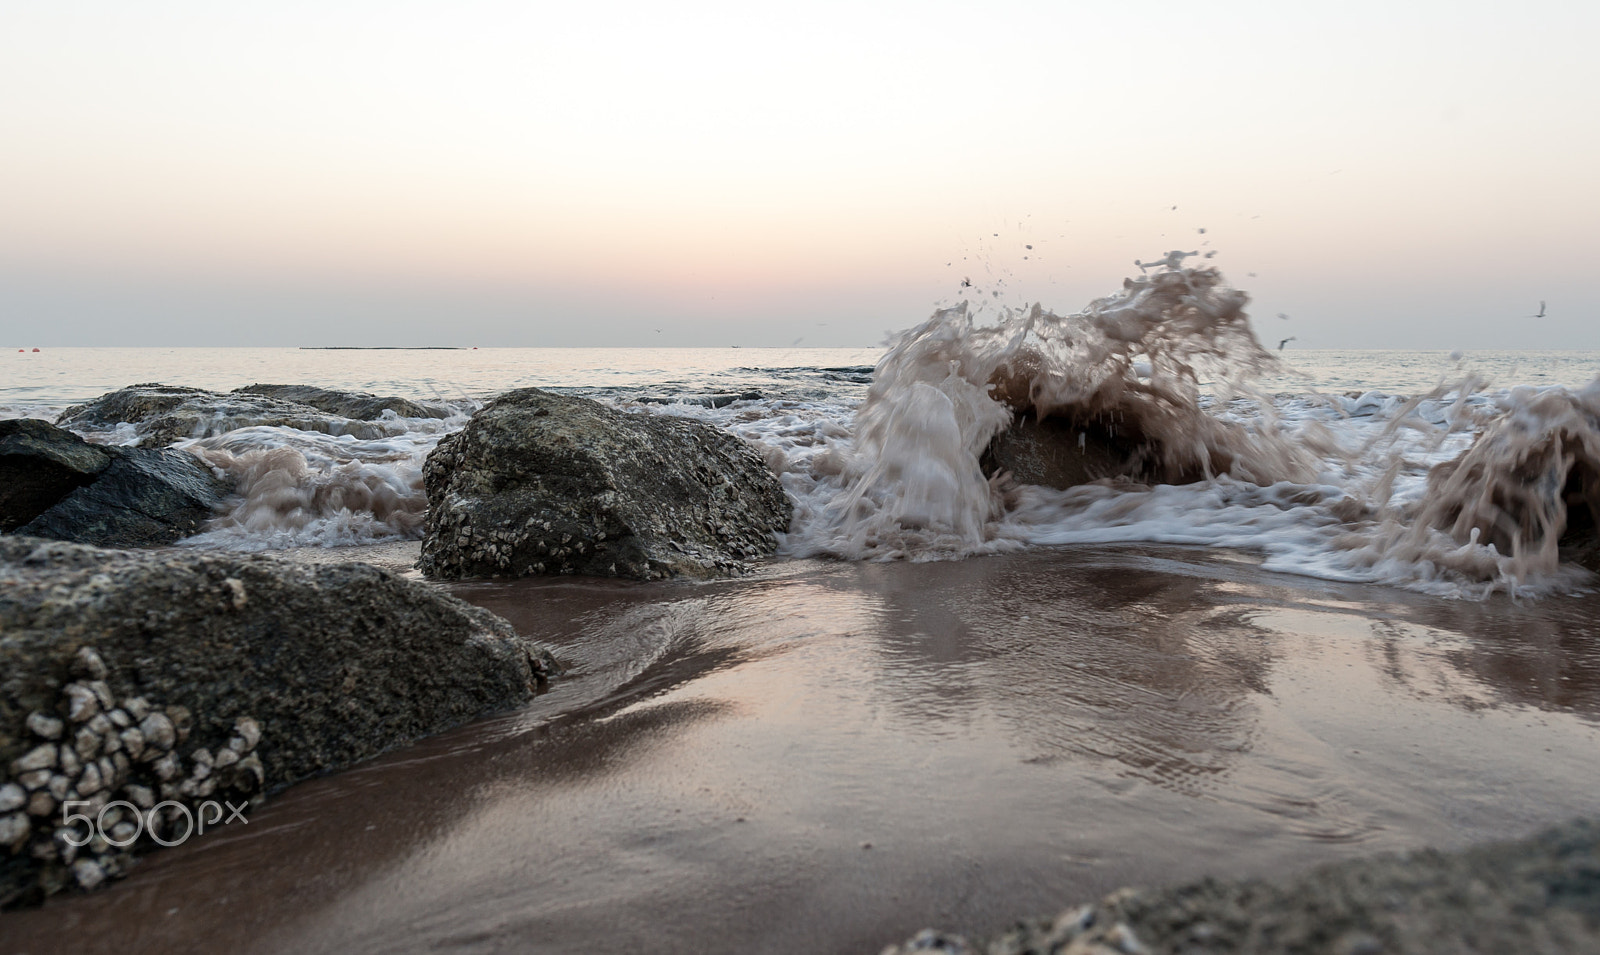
(58, 377)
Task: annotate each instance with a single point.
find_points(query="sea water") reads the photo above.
(951, 700)
(1318, 461)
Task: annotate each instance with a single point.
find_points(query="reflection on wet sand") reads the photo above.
(829, 756)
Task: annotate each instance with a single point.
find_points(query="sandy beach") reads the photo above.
(828, 757)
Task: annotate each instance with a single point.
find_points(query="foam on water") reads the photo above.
(885, 462)
(1348, 487)
(304, 488)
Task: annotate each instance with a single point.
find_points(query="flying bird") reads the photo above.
(1285, 342)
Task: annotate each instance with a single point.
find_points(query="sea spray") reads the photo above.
(1501, 512)
(298, 488)
(1131, 363)
(1365, 487)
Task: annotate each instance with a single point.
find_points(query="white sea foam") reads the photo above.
(1344, 485)
(304, 488)
(1336, 486)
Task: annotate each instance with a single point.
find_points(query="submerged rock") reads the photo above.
(1066, 451)
(1539, 894)
(1529, 485)
(179, 676)
(349, 404)
(54, 484)
(163, 414)
(540, 483)
(1057, 453)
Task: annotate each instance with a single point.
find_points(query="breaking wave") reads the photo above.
(1136, 420)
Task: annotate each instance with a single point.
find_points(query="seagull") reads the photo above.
(1541, 310)
(1285, 342)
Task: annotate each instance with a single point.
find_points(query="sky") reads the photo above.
(485, 172)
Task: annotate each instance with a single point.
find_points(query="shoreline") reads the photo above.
(708, 773)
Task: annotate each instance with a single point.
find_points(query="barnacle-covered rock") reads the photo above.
(541, 483)
(161, 693)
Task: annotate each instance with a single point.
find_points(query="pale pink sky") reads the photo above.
(1413, 175)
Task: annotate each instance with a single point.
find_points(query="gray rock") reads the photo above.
(91, 781)
(1064, 452)
(334, 663)
(1058, 453)
(164, 414)
(14, 830)
(40, 757)
(86, 744)
(12, 797)
(540, 483)
(88, 665)
(45, 726)
(158, 731)
(39, 465)
(144, 498)
(82, 703)
(88, 873)
(349, 404)
(132, 742)
(248, 732)
(1538, 894)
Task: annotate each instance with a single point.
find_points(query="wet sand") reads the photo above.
(828, 757)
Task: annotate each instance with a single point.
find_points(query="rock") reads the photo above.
(1064, 452)
(40, 757)
(1057, 453)
(41, 803)
(39, 465)
(88, 873)
(144, 498)
(326, 665)
(54, 484)
(45, 726)
(82, 703)
(248, 732)
(88, 665)
(158, 731)
(1537, 894)
(540, 483)
(91, 781)
(721, 400)
(14, 830)
(12, 797)
(349, 404)
(164, 414)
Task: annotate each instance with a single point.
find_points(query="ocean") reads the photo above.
(950, 699)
